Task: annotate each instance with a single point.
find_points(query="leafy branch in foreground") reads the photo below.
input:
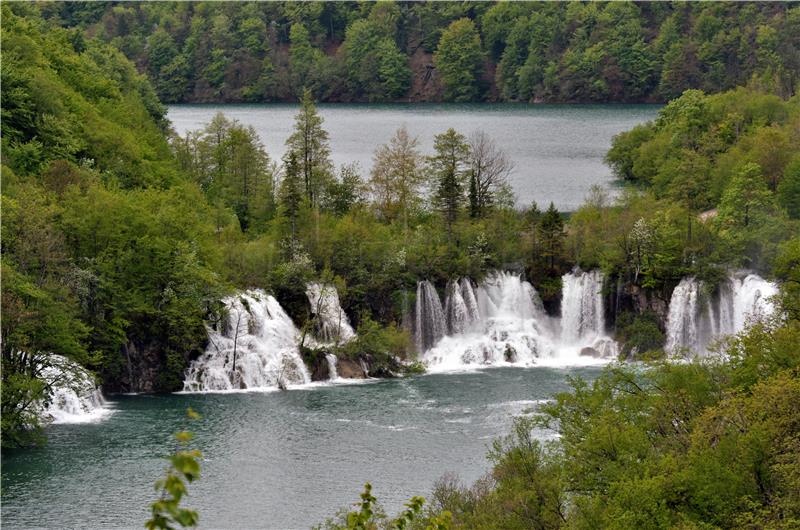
(370, 516)
(184, 466)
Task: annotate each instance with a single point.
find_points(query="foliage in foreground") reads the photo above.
(184, 468)
(708, 444)
(370, 516)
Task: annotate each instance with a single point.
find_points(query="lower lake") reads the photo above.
(278, 459)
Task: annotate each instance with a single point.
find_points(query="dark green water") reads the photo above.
(273, 460)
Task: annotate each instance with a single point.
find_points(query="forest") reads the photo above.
(447, 51)
(121, 237)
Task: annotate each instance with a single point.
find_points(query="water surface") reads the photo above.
(558, 149)
(273, 460)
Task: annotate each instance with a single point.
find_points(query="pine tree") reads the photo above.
(551, 236)
(291, 192)
(448, 169)
(309, 143)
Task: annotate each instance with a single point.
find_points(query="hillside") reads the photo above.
(448, 51)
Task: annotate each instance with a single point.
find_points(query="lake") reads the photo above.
(278, 459)
(558, 150)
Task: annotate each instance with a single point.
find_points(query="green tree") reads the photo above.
(789, 189)
(309, 143)
(304, 58)
(447, 168)
(291, 192)
(550, 232)
(396, 176)
(459, 59)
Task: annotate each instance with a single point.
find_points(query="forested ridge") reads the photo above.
(120, 238)
(447, 51)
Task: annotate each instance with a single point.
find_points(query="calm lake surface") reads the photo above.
(273, 460)
(558, 149)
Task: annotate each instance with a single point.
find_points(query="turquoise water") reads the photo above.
(273, 460)
(558, 149)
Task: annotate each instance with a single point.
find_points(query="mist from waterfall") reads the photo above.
(74, 397)
(502, 321)
(699, 314)
(255, 346)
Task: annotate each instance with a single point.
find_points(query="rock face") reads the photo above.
(319, 369)
(346, 368)
(350, 369)
(589, 352)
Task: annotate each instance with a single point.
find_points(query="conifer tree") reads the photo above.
(551, 235)
(291, 192)
(309, 143)
(448, 170)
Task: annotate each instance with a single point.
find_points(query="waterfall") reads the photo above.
(430, 323)
(682, 319)
(255, 347)
(332, 360)
(752, 300)
(460, 307)
(698, 316)
(582, 316)
(333, 326)
(74, 397)
(502, 320)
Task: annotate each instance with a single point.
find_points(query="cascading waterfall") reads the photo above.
(74, 396)
(503, 321)
(255, 347)
(682, 320)
(583, 315)
(430, 324)
(698, 316)
(333, 326)
(460, 307)
(752, 300)
(582, 306)
(333, 374)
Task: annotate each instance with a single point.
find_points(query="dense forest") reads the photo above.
(121, 237)
(447, 51)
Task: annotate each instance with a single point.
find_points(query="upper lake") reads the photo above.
(558, 150)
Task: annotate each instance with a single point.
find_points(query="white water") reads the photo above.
(502, 321)
(256, 347)
(333, 374)
(429, 322)
(581, 307)
(332, 324)
(699, 315)
(74, 396)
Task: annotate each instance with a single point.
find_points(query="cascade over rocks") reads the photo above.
(74, 396)
(700, 314)
(258, 346)
(255, 347)
(502, 320)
